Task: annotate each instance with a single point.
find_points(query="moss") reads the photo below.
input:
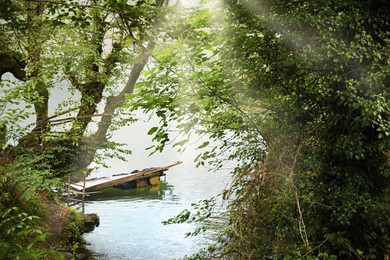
(79, 223)
(73, 227)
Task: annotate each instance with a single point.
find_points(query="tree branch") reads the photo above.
(67, 119)
(114, 102)
(99, 138)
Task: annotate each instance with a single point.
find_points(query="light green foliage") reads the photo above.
(38, 171)
(89, 52)
(190, 84)
(14, 109)
(201, 214)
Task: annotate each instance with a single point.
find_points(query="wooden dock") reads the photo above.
(140, 178)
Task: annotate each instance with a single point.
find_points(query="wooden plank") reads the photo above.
(115, 182)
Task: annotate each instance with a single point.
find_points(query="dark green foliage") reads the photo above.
(327, 65)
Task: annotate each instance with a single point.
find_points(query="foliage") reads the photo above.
(201, 214)
(12, 97)
(19, 226)
(330, 147)
(335, 87)
(297, 93)
(189, 85)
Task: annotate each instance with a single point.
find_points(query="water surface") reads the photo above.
(130, 220)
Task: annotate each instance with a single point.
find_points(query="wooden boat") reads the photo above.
(149, 176)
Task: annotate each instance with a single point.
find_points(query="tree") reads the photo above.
(95, 52)
(331, 73)
(98, 48)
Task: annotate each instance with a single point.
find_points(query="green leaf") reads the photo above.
(152, 130)
(205, 144)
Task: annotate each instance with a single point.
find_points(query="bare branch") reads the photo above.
(76, 118)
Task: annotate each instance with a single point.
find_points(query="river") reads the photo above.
(130, 220)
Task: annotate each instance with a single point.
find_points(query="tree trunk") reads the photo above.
(9, 63)
(97, 140)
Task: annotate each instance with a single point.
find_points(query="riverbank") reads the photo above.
(35, 225)
(65, 228)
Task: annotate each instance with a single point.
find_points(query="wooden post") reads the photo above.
(68, 200)
(83, 195)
